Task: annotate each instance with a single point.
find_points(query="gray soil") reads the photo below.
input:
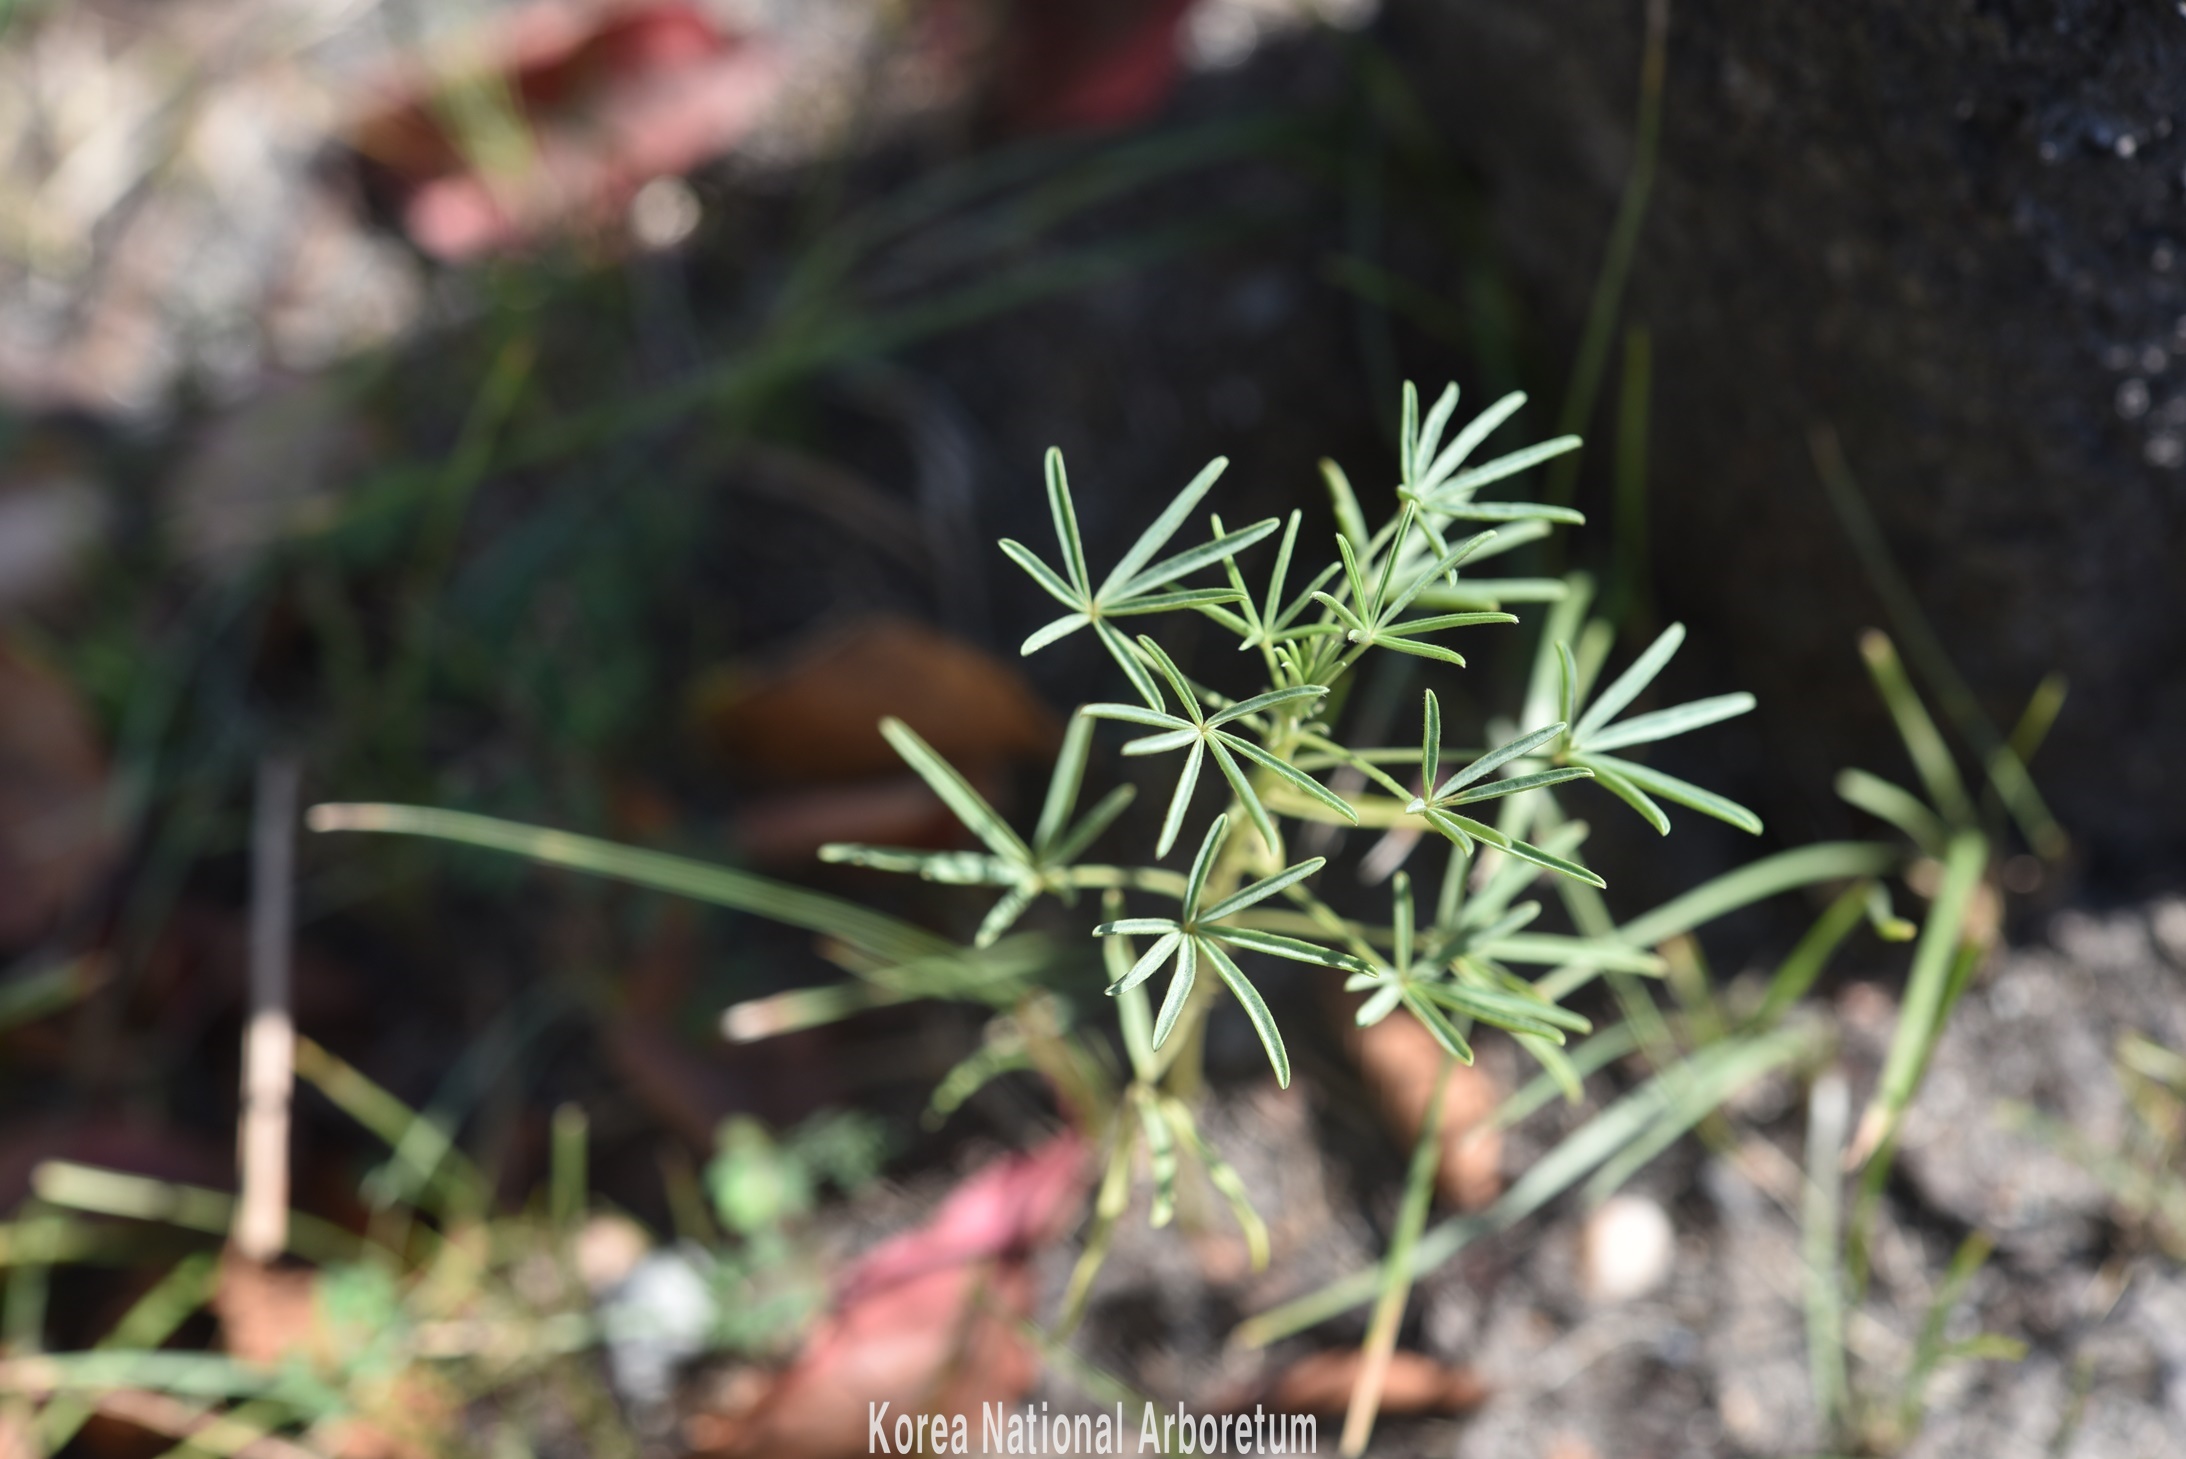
(1713, 1362)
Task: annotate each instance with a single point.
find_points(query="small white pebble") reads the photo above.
(2168, 921)
(1626, 1249)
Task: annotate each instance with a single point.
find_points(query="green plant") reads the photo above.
(1399, 588)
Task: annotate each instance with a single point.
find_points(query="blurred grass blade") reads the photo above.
(1225, 1180)
(801, 1008)
(1108, 1207)
(1824, 861)
(1829, 1112)
(1927, 995)
(436, 1170)
(150, 1321)
(1696, 1088)
(1895, 805)
(1804, 963)
(869, 931)
(193, 1208)
(1923, 741)
(1397, 1274)
(2006, 763)
(1063, 784)
(1160, 1153)
(1931, 1348)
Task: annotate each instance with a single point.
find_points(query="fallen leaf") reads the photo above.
(815, 717)
(928, 1322)
(1400, 1062)
(54, 841)
(1416, 1385)
(594, 102)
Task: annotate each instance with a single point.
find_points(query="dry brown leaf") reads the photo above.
(1400, 1062)
(1416, 1385)
(54, 842)
(608, 97)
(816, 717)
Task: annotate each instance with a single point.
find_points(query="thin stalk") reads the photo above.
(1829, 1111)
(1397, 1274)
(269, 1042)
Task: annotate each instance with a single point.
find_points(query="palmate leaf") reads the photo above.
(1197, 935)
(1131, 586)
(1469, 785)
(1374, 618)
(1198, 734)
(1596, 730)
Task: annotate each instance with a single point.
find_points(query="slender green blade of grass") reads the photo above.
(1064, 782)
(1923, 741)
(1397, 1275)
(193, 1208)
(873, 932)
(1927, 989)
(1824, 861)
(1804, 963)
(1931, 1348)
(1108, 1208)
(1629, 590)
(185, 1375)
(1225, 1180)
(1895, 805)
(150, 1321)
(441, 1175)
(2004, 758)
(1697, 1088)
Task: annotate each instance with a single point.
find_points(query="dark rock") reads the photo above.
(1951, 234)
